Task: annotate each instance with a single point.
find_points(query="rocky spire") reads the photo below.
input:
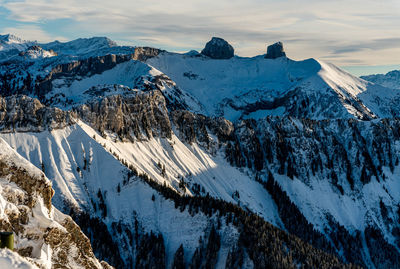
(218, 48)
(275, 51)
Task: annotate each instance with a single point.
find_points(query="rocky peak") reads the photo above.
(275, 51)
(218, 48)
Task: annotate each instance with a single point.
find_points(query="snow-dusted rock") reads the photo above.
(137, 116)
(218, 48)
(43, 235)
(36, 52)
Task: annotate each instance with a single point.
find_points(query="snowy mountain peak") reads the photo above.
(80, 45)
(10, 38)
(11, 42)
(257, 87)
(390, 79)
(166, 158)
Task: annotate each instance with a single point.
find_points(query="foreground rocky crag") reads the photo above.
(43, 236)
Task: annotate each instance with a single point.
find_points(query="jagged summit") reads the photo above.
(218, 48)
(275, 51)
(80, 45)
(10, 37)
(11, 42)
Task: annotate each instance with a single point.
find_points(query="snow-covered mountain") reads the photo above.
(11, 42)
(258, 87)
(235, 88)
(80, 46)
(171, 160)
(390, 79)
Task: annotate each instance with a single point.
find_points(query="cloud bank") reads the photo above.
(348, 32)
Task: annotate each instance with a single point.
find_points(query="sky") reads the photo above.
(361, 36)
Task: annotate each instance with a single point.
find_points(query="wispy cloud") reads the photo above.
(33, 33)
(340, 31)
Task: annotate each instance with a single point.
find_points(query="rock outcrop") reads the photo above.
(36, 51)
(139, 115)
(25, 114)
(218, 48)
(275, 51)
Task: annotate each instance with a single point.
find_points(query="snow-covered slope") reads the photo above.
(258, 87)
(389, 80)
(36, 53)
(87, 172)
(80, 165)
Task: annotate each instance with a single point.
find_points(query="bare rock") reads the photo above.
(218, 48)
(25, 114)
(139, 115)
(275, 51)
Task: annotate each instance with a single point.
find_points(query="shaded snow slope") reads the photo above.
(119, 80)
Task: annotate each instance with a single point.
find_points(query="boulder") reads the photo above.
(218, 48)
(275, 51)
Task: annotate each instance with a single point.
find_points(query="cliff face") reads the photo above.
(43, 235)
(22, 114)
(137, 116)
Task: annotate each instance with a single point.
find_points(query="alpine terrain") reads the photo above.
(136, 157)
